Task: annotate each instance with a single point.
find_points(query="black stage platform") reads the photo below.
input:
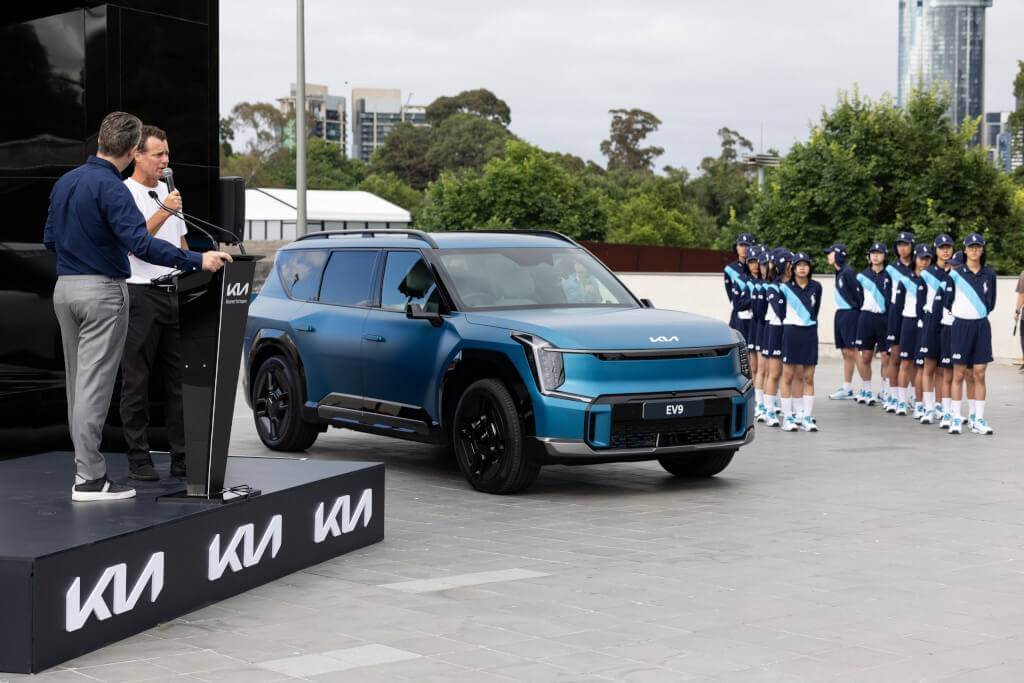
(75, 576)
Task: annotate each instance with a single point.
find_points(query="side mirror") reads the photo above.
(646, 303)
(416, 312)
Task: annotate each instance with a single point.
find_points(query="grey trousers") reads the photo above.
(92, 311)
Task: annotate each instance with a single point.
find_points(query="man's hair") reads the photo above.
(150, 132)
(119, 133)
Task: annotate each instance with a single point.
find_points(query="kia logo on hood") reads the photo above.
(663, 339)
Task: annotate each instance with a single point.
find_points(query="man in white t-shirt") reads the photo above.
(152, 346)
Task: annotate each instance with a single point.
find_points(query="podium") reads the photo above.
(212, 310)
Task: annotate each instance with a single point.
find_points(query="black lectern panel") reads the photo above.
(212, 313)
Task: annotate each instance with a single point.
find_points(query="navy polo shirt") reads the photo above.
(93, 223)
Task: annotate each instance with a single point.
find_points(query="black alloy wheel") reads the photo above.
(277, 408)
(487, 437)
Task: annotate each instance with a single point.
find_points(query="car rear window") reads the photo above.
(300, 271)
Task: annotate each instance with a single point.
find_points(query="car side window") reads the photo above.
(347, 278)
(408, 280)
(300, 271)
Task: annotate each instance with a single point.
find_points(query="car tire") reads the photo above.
(487, 439)
(704, 465)
(277, 408)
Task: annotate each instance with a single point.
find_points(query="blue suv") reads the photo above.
(516, 348)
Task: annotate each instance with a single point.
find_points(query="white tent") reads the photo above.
(270, 213)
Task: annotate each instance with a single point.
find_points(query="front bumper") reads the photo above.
(577, 452)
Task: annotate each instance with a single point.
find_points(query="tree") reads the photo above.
(643, 220)
(404, 153)
(870, 169)
(328, 169)
(480, 102)
(227, 135)
(263, 124)
(723, 188)
(390, 187)
(465, 141)
(523, 189)
(628, 130)
(1016, 122)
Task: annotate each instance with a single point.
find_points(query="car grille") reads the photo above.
(685, 431)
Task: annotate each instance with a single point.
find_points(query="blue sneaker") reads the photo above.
(946, 421)
(790, 424)
(956, 426)
(808, 424)
(981, 426)
(841, 395)
(901, 409)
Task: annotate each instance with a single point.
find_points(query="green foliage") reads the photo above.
(404, 153)
(870, 170)
(262, 123)
(465, 142)
(525, 189)
(644, 220)
(630, 127)
(390, 187)
(480, 102)
(724, 188)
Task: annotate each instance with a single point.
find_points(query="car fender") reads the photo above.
(281, 342)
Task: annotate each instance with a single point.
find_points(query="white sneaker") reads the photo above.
(901, 409)
(808, 424)
(100, 489)
(918, 411)
(946, 421)
(927, 417)
(970, 422)
(869, 399)
(841, 395)
(956, 426)
(980, 426)
(771, 420)
(790, 424)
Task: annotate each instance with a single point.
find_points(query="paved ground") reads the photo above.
(876, 550)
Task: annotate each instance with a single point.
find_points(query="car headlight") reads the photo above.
(547, 365)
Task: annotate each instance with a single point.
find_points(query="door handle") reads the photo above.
(305, 328)
(373, 337)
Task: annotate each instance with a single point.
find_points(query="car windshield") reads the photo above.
(531, 277)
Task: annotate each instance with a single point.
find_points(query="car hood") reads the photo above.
(611, 328)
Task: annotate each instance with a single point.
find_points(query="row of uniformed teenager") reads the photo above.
(925, 315)
(775, 304)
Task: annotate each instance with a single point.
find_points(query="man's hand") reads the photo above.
(173, 201)
(214, 260)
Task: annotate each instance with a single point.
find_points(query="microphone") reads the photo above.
(190, 219)
(168, 177)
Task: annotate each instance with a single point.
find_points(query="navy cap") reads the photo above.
(943, 240)
(879, 247)
(753, 252)
(764, 255)
(783, 256)
(838, 248)
(745, 238)
(957, 259)
(923, 251)
(974, 238)
(905, 237)
(802, 256)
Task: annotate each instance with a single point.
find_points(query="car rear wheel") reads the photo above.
(487, 437)
(704, 465)
(277, 408)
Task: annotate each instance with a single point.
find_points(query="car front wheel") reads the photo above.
(704, 465)
(487, 437)
(277, 408)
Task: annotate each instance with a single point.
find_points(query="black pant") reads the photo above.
(152, 349)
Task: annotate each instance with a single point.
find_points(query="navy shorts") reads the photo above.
(800, 345)
(741, 326)
(945, 349)
(971, 342)
(761, 336)
(845, 329)
(909, 333)
(871, 331)
(927, 341)
(773, 346)
(893, 336)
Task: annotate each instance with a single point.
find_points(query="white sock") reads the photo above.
(901, 394)
(972, 403)
(954, 407)
(759, 396)
(787, 406)
(877, 384)
(979, 410)
(778, 400)
(945, 406)
(847, 387)
(808, 405)
(929, 400)
(885, 384)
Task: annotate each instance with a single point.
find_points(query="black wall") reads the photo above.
(63, 67)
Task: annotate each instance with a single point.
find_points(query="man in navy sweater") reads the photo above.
(92, 225)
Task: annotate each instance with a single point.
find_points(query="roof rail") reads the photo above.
(539, 233)
(417, 234)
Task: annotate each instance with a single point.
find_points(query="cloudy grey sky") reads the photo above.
(561, 65)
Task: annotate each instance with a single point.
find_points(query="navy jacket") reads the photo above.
(877, 289)
(93, 224)
(802, 303)
(973, 294)
(736, 276)
(899, 274)
(848, 292)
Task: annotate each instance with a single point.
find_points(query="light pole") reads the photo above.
(300, 121)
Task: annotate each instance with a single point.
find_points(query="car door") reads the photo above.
(329, 329)
(402, 358)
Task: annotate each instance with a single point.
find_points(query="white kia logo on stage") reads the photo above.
(245, 536)
(238, 289)
(77, 613)
(322, 527)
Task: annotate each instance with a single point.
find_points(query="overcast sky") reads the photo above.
(561, 65)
